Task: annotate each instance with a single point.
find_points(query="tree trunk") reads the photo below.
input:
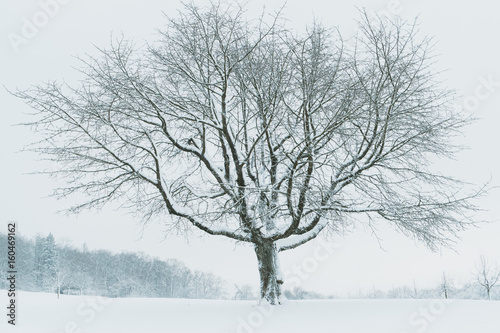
(270, 275)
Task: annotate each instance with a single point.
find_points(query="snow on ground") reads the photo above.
(40, 312)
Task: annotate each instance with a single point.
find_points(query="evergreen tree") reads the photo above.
(49, 263)
(37, 263)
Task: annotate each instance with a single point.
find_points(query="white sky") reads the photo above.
(466, 33)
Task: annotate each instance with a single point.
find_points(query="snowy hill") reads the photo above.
(39, 312)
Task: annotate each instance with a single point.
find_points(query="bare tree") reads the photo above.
(243, 292)
(245, 129)
(487, 275)
(445, 286)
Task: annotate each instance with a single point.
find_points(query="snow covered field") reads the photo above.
(39, 312)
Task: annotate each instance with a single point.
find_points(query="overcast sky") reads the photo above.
(39, 42)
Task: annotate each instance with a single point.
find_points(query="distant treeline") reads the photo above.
(43, 265)
(471, 290)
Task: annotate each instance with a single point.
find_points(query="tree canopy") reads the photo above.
(246, 129)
